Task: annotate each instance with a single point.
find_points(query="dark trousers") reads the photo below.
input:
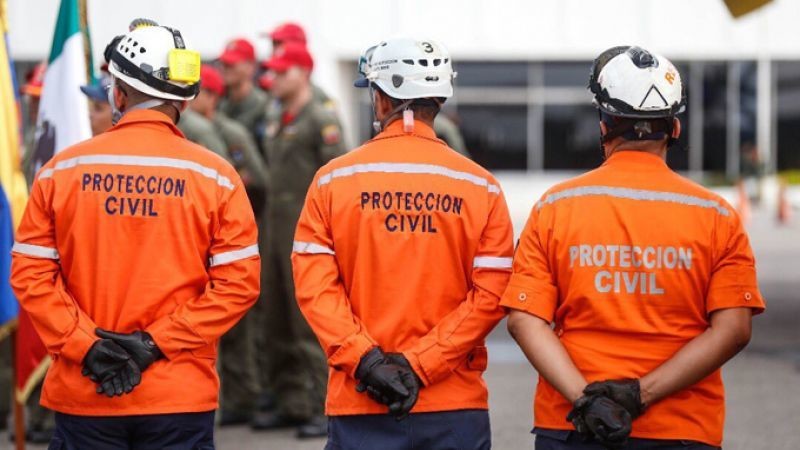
(448, 430)
(570, 440)
(189, 431)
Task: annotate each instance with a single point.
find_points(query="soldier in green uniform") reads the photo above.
(200, 130)
(292, 32)
(240, 388)
(245, 102)
(301, 136)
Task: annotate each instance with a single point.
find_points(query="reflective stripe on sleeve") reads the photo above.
(233, 256)
(35, 250)
(492, 262)
(311, 248)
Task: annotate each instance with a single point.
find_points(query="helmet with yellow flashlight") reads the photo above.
(154, 60)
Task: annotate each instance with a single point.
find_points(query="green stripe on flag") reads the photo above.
(67, 24)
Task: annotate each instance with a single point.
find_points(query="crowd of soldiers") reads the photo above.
(277, 128)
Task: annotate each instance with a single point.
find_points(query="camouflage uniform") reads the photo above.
(240, 387)
(294, 366)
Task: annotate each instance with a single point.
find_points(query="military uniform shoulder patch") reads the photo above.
(331, 134)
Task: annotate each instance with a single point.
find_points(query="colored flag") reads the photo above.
(63, 109)
(13, 189)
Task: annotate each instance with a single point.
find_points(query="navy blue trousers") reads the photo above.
(447, 430)
(189, 431)
(570, 440)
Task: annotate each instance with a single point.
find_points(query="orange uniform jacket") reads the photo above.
(629, 260)
(405, 244)
(136, 229)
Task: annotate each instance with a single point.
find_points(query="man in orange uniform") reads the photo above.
(648, 279)
(136, 252)
(401, 253)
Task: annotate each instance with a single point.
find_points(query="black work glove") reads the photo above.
(410, 380)
(381, 379)
(107, 364)
(625, 392)
(600, 419)
(122, 381)
(139, 344)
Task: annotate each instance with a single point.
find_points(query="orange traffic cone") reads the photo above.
(743, 203)
(784, 208)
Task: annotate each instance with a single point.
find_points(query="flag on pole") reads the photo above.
(63, 109)
(63, 121)
(13, 189)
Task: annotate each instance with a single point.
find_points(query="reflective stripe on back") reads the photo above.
(633, 194)
(141, 161)
(408, 168)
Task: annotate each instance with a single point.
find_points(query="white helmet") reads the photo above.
(634, 83)
(154, 60)
(406, 69)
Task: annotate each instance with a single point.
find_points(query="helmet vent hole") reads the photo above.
(397, 80)
(437, 61)
(432, 78)
(142, 50)
(446, 60)
(423, 62)
(410, 62)
(135, 43)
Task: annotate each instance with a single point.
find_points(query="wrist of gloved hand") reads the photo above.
(370, 359)
(139, 344)
(600, 419)
(627, 393)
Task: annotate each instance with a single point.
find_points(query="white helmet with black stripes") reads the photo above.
(154, 60)
(638, 94)
(629, 81)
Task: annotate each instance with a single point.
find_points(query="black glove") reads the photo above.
(139, 344)
(117, 383)
(599, 418)
(103, 364)
(410, 380)
(381, 379)
(625, 392)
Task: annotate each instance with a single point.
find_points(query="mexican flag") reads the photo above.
(64, 110)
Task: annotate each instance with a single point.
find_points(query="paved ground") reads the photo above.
(763, 383)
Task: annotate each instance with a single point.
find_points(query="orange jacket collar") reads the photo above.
(635, 158)
(396, 129)
(148, 116)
